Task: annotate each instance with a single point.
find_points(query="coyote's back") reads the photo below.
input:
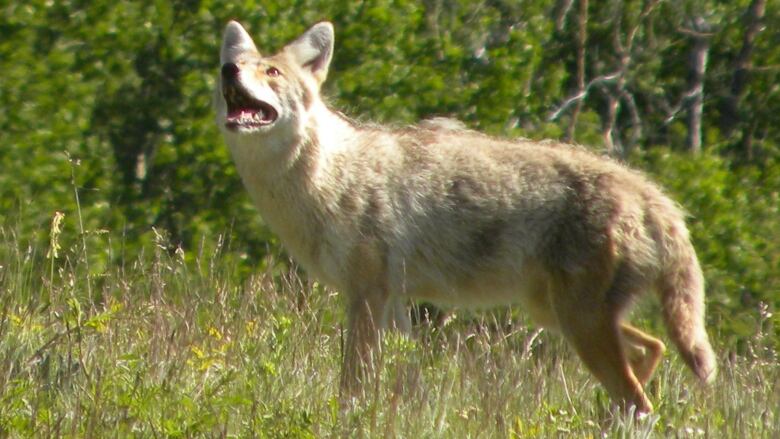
(441, 213)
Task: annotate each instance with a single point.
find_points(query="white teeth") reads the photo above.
(249, 117)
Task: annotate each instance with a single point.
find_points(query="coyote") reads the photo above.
(443, 214)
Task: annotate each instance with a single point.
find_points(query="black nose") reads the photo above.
(229, 71)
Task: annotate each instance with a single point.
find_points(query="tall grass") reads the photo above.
(181, 344)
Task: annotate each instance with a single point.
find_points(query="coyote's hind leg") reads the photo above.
(644, 352)
(592, 326)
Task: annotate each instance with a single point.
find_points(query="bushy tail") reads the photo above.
(682, 296)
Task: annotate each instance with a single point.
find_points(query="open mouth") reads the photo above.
(244, 111)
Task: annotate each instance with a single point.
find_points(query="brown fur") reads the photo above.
(444, 214)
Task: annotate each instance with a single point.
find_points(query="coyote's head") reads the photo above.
(270, 95)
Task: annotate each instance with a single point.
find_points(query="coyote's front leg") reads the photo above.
(368, 312)
(360, 351)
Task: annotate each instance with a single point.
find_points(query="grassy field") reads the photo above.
(176, 344)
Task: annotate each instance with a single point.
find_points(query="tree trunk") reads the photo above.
(582, 35)
(698, 66)
(731, 117)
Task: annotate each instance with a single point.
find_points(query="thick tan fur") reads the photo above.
(452, 216)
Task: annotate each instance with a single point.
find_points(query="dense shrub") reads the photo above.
(105, 113)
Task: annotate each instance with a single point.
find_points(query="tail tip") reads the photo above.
(704, 365)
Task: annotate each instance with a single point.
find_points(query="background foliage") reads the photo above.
(105, 113)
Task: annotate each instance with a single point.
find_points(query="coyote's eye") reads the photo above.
(273, 72)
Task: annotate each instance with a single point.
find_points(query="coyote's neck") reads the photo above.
(291, 189)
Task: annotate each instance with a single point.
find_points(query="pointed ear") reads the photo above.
(313, 50)
(235, 42)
